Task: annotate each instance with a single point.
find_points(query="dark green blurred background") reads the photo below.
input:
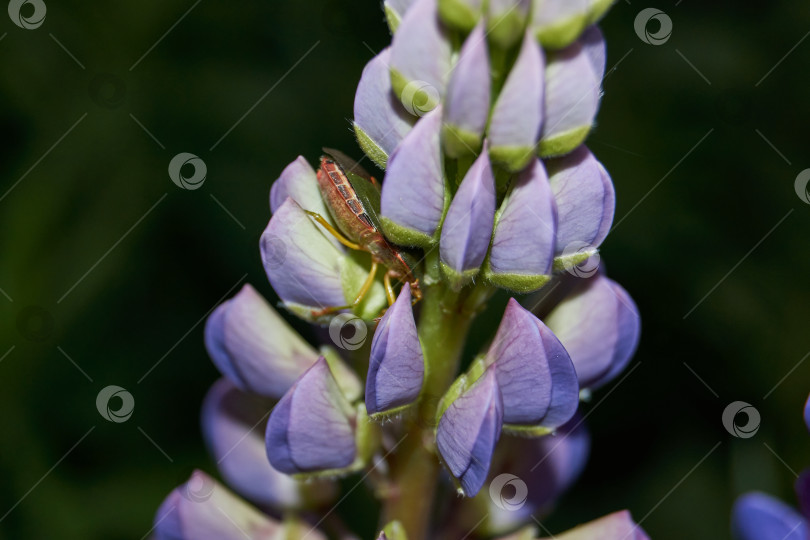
(687, 225)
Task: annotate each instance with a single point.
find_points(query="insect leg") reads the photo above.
(389, 289)
(360, 295)
(336, 233)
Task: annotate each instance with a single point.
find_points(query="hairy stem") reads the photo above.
(443, 327)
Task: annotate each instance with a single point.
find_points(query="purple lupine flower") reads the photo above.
(233, 425)
(307, 270)
(573, 90)
(615, 526)
(396, 366)
(468, 94)
(556, 23)
(254, 347)
(547, 465)
(314, 426)
(420, 58)
(524, 239)
(599, 325)
(518, 112)
(298, 182)
(526, 477)
(394, 11)
(585, 201)
(203, 509)
(413, 194)
(469, 429)
(467, 227)
(534, 372)
(757, 516)
(380, 120)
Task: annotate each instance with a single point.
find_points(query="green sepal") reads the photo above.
(458, 14)
(506, 29)
(512, 158)
(389, 414)
(392, 18)
(597, 9)
(563, 33)
(459, 142)
(405, 236)
(526, 431)
(563, 143)
(426, 101)
(564, 263)
(520, 283)
(458, 280)
(395, 531)
(371, 148)
(346, 378)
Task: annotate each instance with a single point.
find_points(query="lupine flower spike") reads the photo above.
(475, 118)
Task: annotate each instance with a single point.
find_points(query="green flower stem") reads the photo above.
(415, 468)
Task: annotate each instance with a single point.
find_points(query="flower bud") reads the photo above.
(585, 201)
(615, 526)
(460, 14)
(308, 271)
(757, 516)
(518, 112)
(233, 424)
(534, 372)
(573, 89)
(299, 182)
(468, 93)
(254, 347)
(413, 194)
(599, 325)
(523, 243)
(468, 430)
(396, 367)
(394, 11)
(203, 509)
(380, 120)
(507, 21)
(420, 58)
(526, 477)
(315, 429)
(557, 23)
(467, 228)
